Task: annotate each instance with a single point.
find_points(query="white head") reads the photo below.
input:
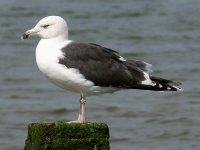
(49, 27)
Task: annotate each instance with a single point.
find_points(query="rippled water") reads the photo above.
(163, 33)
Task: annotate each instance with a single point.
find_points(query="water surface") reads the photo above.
(163, 33)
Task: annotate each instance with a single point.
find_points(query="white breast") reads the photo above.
(47, 58)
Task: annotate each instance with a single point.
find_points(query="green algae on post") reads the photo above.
(67, 136)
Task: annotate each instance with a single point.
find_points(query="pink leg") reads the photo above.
(81, 116)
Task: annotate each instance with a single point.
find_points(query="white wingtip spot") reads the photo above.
(178, 88)
(160, 86)
(168, 88)
(176, 85)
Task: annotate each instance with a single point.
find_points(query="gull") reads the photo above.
(88, 68)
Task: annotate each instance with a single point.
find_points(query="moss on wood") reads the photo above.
(67, 136)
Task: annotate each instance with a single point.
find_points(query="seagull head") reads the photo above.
(48, 27)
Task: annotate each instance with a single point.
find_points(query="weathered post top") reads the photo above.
(67, 136)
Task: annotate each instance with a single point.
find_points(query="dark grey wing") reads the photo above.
(113, 54)
(144, 66)
(100, 65)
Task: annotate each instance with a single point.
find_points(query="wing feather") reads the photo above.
(100, 65)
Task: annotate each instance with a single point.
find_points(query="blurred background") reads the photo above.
(163, 33)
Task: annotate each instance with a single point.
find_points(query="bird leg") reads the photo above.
(81, 116)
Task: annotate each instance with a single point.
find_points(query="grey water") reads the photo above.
(163, 33)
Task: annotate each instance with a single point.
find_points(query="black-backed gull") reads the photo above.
(88, 68)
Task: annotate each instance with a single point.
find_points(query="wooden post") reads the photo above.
(67, 136)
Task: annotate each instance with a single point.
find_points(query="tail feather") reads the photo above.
(166, 85)
(149, 82)
(160, 85)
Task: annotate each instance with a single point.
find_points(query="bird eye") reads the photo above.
(45, 26)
